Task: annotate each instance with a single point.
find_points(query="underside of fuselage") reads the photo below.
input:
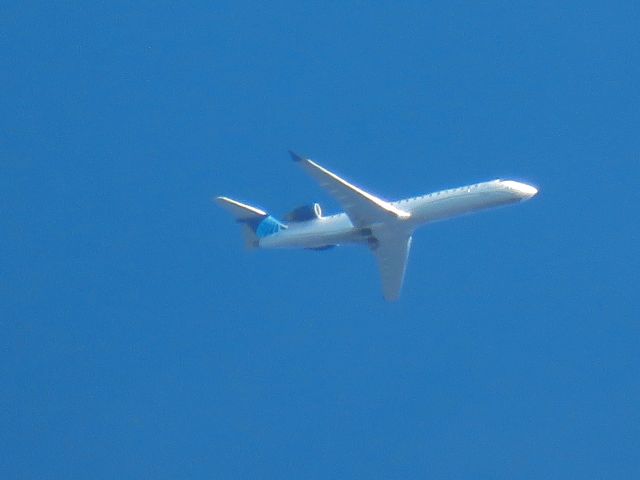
(317, 234)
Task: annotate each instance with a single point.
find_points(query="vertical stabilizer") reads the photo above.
(256, 223)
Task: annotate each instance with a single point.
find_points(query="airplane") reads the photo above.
(385, 227)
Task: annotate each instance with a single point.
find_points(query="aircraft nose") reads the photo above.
(524, 190)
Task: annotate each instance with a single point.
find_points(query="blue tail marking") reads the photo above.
(263, 227)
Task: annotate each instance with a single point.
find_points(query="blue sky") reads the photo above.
(139, 338)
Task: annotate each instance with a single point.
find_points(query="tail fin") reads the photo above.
(256, 223)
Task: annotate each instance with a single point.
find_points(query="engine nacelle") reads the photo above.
(304, 213)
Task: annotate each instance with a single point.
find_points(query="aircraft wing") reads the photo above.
(391, 254)
(363, 208)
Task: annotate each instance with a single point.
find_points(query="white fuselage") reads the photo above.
(338, 229)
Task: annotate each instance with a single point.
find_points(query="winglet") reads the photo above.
(295, 157)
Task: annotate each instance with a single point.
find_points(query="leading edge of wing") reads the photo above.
(341, 189)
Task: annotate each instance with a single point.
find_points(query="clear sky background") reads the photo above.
(140, 340)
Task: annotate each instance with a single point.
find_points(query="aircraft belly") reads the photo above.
(434, 209)
(307, 238)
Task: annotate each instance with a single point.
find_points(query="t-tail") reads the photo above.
(256, 223)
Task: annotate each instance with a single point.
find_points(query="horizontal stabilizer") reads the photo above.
(239, 210)
(255, 222)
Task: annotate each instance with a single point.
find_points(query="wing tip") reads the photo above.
(295, 157)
